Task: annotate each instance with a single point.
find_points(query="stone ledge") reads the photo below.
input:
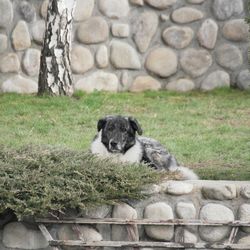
(221, 201)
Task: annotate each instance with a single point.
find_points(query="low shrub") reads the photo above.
(42, 180)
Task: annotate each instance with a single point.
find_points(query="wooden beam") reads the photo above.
(56, 244)
(45, 232)
(115, 221)
(233, 235)
(47, 235)
(119, 244)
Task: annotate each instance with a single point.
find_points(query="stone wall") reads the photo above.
(206, 200)
(132, 45)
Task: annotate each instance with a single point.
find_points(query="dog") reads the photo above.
(119, 138)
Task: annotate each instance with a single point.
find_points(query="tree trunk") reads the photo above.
(55, 77)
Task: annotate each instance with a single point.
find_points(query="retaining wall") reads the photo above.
(207, 200)
(132, 45)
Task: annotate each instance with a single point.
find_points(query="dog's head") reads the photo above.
(118, 132)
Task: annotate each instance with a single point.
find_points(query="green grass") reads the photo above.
(206, 131)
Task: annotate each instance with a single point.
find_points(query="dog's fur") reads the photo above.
(117, 139)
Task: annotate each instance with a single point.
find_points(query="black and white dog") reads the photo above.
(117, 138)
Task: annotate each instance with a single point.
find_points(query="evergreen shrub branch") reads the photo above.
(36, 181)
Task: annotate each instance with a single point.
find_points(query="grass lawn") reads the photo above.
(209, 132)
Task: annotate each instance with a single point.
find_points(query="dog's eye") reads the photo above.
(111, 128)
(123, 129)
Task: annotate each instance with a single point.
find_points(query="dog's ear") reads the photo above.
(135, 125)
(101, 124)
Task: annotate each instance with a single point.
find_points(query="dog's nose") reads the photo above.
(113, 144)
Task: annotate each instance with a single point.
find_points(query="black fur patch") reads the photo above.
(118, 133)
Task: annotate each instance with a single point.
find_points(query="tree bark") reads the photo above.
(55, 77)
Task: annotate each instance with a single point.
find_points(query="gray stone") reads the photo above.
(114, 9)
(28, 11)
(162, 62)
(145, 28)
(125, 81)
(196, 1)
(86, 233)
(229, 56)
(245, 191)
(178, 37)
(137, 2)
(243, 80)
(120, 30)
(177, 187)
(164, 18)
(94, 30)
(102, 57)
(89, 234)
(195, 62)
(159, 211)
(83, 9)
(16, 235)
(219, 191)
(182, 235)
(207, 34)
(3, 43)
(81, 59)
(238, 7)
(244, 215)
(186, 15)
(123, 233)
(161, 4)
(20, 85)
(21, 36)
(44, 8)
(99, 212)
(66, 232)
(151, 189)
(31, 62)
(124, 56)
(236, 30)
(216, 79)
(6, 13)
(100, 81)
(189, 237)
(38, 31)
(181, 85)
(185, 210)
(215, 212)
(9, 63)
(245, 240)
(143, 83)
(224, 9)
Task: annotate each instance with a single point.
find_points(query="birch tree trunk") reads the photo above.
(55, 77)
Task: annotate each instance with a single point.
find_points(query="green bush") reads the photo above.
(35, 181)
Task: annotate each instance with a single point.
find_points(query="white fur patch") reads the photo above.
(187, 174)
(133, 155)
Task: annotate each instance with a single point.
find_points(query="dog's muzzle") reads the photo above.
(115, 147)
